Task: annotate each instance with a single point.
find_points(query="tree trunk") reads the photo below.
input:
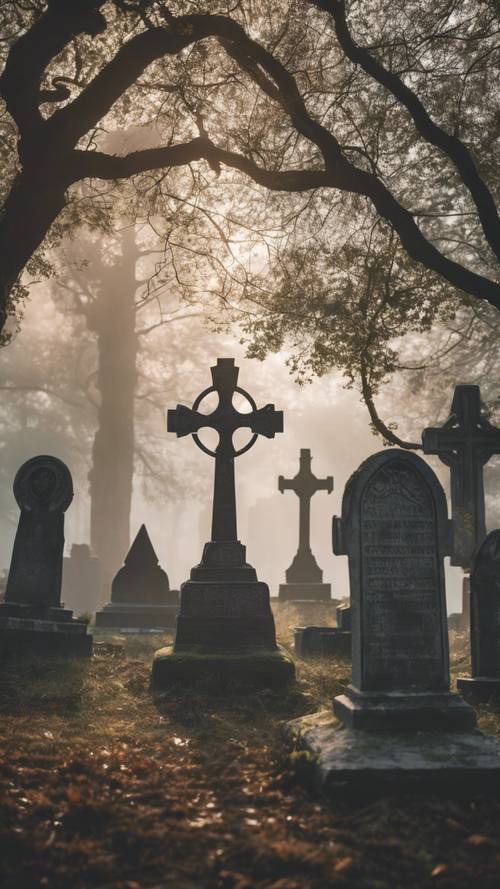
(111, 475)
(34, 202)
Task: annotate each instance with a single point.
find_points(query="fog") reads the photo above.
(323, 416)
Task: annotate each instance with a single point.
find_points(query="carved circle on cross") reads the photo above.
(43, 483)
(195, 407)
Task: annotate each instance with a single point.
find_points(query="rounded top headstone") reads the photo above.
(43, 483)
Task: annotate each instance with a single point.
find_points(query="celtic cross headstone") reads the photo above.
(223, 607)
(465, 443)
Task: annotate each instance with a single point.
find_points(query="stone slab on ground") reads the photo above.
(139, 616)
(254, 667)
(23, 637)
(366, 763)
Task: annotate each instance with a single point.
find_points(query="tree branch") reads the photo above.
(450, 145)
(387, 434)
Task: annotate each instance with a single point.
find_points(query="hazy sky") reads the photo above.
(322, 416)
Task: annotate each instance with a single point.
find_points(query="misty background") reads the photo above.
(44, 411)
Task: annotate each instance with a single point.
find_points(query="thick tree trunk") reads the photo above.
(34, 202)
(111, 475)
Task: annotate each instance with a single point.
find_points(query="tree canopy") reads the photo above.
(356, 142)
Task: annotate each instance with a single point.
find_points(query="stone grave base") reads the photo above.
(479, 688)
(367, 763)
(397, 711)
(258, 668)
(129, 616)
(309, 592)
(24, 637)
(322, 642)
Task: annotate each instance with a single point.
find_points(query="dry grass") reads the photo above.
(101, 787)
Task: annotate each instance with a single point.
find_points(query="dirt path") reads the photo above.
(99, 787)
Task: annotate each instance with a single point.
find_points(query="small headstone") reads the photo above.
(141, 597)
(414, 732)
(81, 583)
(485, 622)
(322, 642)
(225, 624)
(32, 619)
(304, 577)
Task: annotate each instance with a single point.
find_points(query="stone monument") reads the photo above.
(141, 597)
(225, 624)
(465, 443)
(81, 579)
(400, 722)
(485, 622)
(304, 577)
(32, 619)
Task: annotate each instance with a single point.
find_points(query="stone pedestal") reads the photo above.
(225, 625)
(137, 615)
(399, 711)
(360, 763)
(41, 632)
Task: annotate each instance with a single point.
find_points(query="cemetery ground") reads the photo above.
(101, 786)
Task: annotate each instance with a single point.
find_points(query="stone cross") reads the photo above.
(43, 489)
(465, 443)
(395, 530)
(225, 419)
(305, 484)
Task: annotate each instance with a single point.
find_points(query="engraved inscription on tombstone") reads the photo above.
(395, 530)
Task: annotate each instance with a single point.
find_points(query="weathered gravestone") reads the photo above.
(141, 597)
(485, 622)
(401, 723)
(304, 577)
(225, 624)
(465, 443)
(32, 619)
(81, 579)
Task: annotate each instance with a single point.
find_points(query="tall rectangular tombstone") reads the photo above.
(395, 531)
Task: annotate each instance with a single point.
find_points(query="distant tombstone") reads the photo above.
(32, 620)
(465, 443)
(395, 530)
(485, 622)
(81, 583)
(322, 642)
(304, 577)
(140, 593)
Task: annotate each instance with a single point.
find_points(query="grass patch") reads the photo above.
(101, 787)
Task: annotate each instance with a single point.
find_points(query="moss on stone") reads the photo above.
(252, 667)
